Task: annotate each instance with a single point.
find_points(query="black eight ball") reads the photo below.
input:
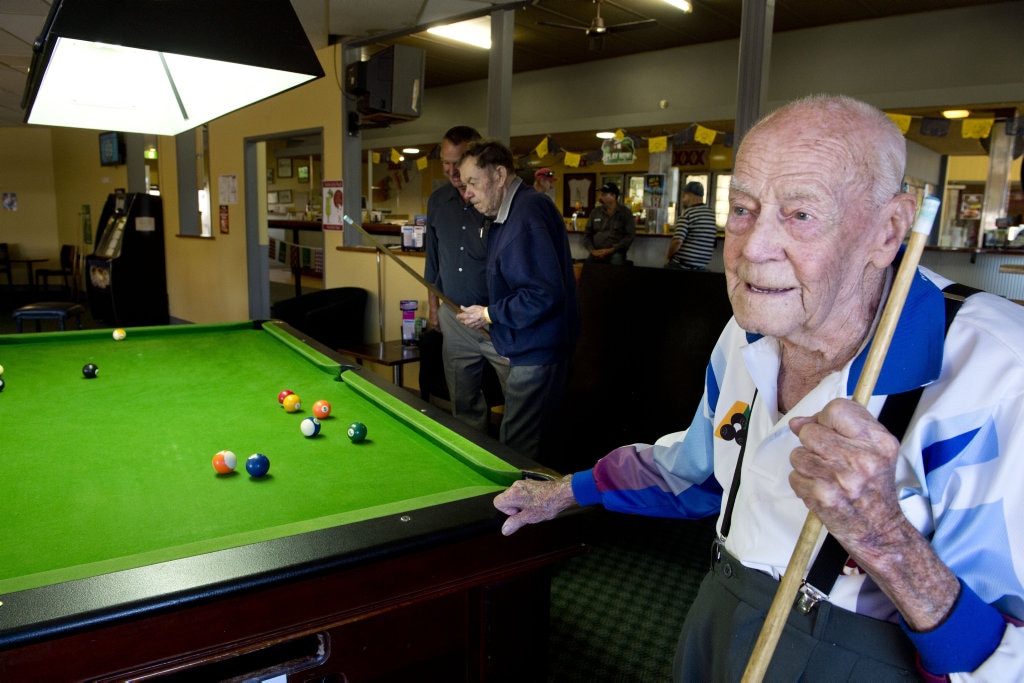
(90, 371)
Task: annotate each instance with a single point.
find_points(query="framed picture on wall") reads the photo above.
(303, 173)
(578, 193)
(284, 196)
(284, 168)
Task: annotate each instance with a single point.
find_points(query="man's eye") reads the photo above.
(802, 216)
(739, 211)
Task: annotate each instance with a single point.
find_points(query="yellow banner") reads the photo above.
(376, 157)
(542, 148)
(657, 144)
(902, 121)
(976, 128)
(422, 163)
(572, 160)
(395, 156)
(704, 136)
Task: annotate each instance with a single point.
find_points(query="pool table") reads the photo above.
(127, 556)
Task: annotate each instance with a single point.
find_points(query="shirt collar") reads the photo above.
(506, 202)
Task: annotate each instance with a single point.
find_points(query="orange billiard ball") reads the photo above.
(321, 409)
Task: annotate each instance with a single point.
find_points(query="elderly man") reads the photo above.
(533, 311)
(456, 259)
(930, 529)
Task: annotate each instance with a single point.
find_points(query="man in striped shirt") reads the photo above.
(694, 239)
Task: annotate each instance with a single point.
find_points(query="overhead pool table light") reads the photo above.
(162, 66)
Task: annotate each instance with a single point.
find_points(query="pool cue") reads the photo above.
(786, 593)
(409, 269)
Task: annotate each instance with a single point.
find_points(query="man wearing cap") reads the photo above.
(611, 228)
(543, 180)
(694, 240)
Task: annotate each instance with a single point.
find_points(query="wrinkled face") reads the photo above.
(450, 156)
(485, 187)
(802, 234)
(544, 183)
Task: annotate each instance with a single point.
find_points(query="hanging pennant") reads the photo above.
(704, 136)
(572, 160)
(658, 144)
(976, 128)
(934, 128)
(542, 149)
(902, 121)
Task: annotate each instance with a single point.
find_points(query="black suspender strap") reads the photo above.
(894, 416)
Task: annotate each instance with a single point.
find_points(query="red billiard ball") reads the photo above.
(284, 394)
(321, 409)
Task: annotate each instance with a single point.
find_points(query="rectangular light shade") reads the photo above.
(163, 66)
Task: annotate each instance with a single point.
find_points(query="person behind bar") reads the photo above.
(456, 261)
(533, 312)
(930, 571)
(610, 229)
(693, 242)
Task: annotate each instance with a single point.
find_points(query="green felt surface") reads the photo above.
(115, 472)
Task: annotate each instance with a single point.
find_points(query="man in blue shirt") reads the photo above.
(456, 260)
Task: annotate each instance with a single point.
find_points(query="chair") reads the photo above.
(334, 317)
(68, 271)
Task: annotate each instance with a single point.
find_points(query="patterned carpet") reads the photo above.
(616, 612)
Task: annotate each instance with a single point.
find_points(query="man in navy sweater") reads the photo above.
(533, 312)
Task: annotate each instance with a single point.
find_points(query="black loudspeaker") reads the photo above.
(389, 82)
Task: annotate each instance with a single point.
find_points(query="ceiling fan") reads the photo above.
(597, 29)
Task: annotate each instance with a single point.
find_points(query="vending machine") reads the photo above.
(126, 275)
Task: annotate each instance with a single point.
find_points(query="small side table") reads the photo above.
(392, 353)
(49, 310)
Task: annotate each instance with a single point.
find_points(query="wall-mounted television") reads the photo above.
(112, 152)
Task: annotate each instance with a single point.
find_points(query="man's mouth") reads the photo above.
(767, 290)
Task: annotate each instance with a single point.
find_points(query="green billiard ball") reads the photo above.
(357, 432)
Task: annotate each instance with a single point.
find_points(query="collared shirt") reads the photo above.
(456, 247)
(615, 230)
(959, 476)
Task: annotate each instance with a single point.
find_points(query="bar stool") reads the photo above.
(49, 310)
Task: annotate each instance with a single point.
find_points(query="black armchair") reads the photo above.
(334, 317)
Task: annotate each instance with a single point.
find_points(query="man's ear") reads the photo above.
(897, 219)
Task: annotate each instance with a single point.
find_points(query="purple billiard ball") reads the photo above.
(257, 465)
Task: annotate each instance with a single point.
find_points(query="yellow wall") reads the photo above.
(27, 170)
(207, 278)
(975, 169)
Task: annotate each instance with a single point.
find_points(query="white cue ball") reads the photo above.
(310, 426)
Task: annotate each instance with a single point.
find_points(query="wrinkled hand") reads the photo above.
(844, 471)
(529, 501)
(472, 316)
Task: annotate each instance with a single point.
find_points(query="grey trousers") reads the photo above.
(465, 353)
(829, 644)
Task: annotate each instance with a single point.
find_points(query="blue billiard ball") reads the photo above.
(257, 465)
(357, 432)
